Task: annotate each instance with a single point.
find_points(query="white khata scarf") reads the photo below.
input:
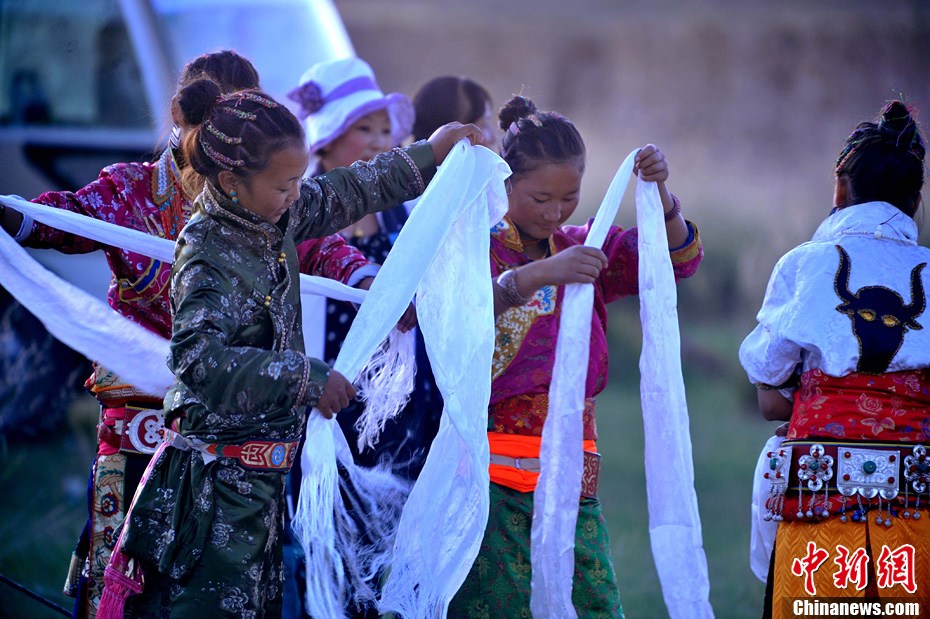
(445, 242)
(87, 324)
(441, 255)
(674, 522)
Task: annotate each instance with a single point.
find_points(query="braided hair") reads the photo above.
(533, 138)
(884, 160)
(238, 132)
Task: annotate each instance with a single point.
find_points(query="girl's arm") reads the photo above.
(106, 198)
(773, 405)
(339, 198)
(573, 265)
(650, 165)
(333, 201)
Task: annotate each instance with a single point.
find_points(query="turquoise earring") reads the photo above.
(235, 198)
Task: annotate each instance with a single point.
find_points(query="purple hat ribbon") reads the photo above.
(310, 98)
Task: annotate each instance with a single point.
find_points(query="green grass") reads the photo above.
(726, 438)
(42, 483)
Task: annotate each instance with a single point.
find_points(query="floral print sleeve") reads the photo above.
(621, 277)
(229, 379)
(330, 257)
(104, 199)
(330, 202)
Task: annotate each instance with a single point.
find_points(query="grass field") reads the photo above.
(42, 484)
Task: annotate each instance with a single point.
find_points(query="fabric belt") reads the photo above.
(590, 476)
(258, 455)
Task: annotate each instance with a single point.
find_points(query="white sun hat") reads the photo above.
(333, 95)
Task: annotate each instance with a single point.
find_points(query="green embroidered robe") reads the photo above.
(208, 532)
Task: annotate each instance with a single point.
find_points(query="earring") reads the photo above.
(508, 186)
(235, 198)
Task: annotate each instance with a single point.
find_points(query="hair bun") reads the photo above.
(898, 128)
(518, 107)
(197, 99)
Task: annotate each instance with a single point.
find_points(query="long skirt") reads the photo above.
(817, 561)
(237, 571)
(498, 584)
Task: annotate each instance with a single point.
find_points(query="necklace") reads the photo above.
(174, 206)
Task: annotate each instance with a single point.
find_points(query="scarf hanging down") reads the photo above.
(87, 324)
(442, 255)
(674, 521)
(675, 528)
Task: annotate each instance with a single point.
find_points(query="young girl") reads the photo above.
(206, 525)
(151, 198)
(533, 255)
(347, 118)
(450, 98)
(842, 352)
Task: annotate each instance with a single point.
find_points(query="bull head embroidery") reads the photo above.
(879, 316)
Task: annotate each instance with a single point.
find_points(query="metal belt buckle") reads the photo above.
(868, 472)
(142, 430)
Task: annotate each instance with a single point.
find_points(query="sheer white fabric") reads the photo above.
(674, 521)
(555, 510)
(443, 250)
(85, 323)
(141, 363)
(451, 494)
(675, 528)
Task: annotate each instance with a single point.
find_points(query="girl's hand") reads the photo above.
(409, 318)
(574, 265)
(337, 393)
(447, 136)
(650, 165)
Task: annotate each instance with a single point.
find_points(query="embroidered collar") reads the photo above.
(507, 234)
(864, 219)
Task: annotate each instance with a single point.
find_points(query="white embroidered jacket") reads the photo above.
(853, 298)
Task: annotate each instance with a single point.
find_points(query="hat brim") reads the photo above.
(334, 119)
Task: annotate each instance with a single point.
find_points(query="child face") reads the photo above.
(541, 200)
(271, 192)
(369, 136)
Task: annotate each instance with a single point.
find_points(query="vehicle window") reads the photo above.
(68, 62)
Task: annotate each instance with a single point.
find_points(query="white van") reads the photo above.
(87, 83)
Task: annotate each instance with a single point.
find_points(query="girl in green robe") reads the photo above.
(205, 529)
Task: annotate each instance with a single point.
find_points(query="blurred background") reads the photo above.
(750, 101)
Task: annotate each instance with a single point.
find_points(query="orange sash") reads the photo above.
(519, 446)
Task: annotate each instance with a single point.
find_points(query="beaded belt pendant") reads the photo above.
(916, 476)
(777, 476)
(817, 470)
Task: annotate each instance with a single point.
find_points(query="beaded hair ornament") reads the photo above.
(514, 129)
(229, 104)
